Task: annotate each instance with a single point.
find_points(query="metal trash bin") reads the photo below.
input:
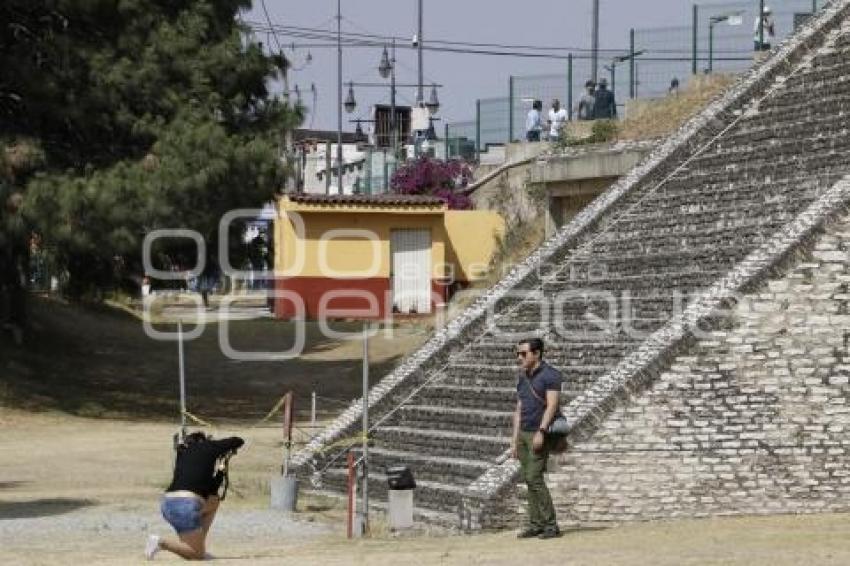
(400, 484)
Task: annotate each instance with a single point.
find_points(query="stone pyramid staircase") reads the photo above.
(613, 292)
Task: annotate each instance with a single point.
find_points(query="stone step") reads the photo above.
(494, 423)
(822, 72)
(759, 137)
(676, 192)
(424, 465)
(751, 231)
(428, 495)
(443, 443)
(491, 398)
(782, 107)
(684, 281)
(818, 165)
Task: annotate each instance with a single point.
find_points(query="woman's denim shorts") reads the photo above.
(182, 513)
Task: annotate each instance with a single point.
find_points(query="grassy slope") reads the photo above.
(94, 361)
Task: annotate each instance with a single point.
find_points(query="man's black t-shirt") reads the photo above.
(544, 378)
(195, 467)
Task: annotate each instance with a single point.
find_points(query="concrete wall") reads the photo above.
(472, 237)
(753, 420)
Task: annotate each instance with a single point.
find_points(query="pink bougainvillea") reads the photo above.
(434, 177)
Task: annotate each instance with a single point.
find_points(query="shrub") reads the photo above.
(434, 177)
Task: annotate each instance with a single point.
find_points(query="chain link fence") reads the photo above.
(721, 38)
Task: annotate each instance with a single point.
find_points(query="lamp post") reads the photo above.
(594, 56)
(387, 70)
(733, 18)
(340, 164)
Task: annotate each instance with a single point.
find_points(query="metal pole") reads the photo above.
(419, 91)
(365, 427)
(368, 169)
(694, 65)
(328, 167)
(478, 129)
(511, 109)
(613, 78)
(393, 133)
(313, 412)
(446, 140)
(594, 57)
(814, 6)
(182, 380)
(386, 173)
(760, 16)
(339, 95)
(710, 47)
(632, 63)
(570, 86)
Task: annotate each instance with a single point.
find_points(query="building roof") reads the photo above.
(367, 200)
(324, 136)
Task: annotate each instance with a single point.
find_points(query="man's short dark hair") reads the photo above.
(589, 84)
(534, 344)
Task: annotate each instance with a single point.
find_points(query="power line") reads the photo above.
(351, 39)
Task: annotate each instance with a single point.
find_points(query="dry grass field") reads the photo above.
(87, 414)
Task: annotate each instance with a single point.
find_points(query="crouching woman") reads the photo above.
(191, 501)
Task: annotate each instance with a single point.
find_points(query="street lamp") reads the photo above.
(350, 104)
(621, 59)
(733, 18)
(433, 104)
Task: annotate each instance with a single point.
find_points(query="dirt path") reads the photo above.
(76, 490)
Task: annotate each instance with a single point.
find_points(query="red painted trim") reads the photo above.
(323, 297)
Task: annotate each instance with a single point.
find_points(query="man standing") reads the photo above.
(605, 107)
(557, 119)
(538, 392)
(588, 101)
(769, 31)
(534, 122)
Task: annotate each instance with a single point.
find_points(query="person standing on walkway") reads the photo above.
(587, 104)
(538, 403)
(605, 107)
(534, 122)
(191, 501)
(557, 118)
(769, 32)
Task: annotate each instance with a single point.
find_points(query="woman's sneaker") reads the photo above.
(152, 547)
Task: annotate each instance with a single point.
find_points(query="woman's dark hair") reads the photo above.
(194, 438)
(537, 105)
(534, 344)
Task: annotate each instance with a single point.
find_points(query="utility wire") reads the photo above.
(355, 40)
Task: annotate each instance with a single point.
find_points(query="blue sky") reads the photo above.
(466, 77)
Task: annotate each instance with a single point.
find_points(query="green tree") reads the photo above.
(146, 114)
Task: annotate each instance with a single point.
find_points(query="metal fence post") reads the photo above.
(368, 169)
(632, 63)
(510, 109)
(446, 139)
(478, 129)
(570, 86)
(694, 62)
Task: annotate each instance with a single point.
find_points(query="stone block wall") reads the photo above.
(752, 420)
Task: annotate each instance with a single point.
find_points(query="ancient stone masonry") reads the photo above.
(673, 414)
(752, 419)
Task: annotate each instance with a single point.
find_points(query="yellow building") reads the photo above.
(365, 256)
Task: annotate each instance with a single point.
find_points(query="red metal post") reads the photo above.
(351, 480)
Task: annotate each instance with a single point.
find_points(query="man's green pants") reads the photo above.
(541, 512)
